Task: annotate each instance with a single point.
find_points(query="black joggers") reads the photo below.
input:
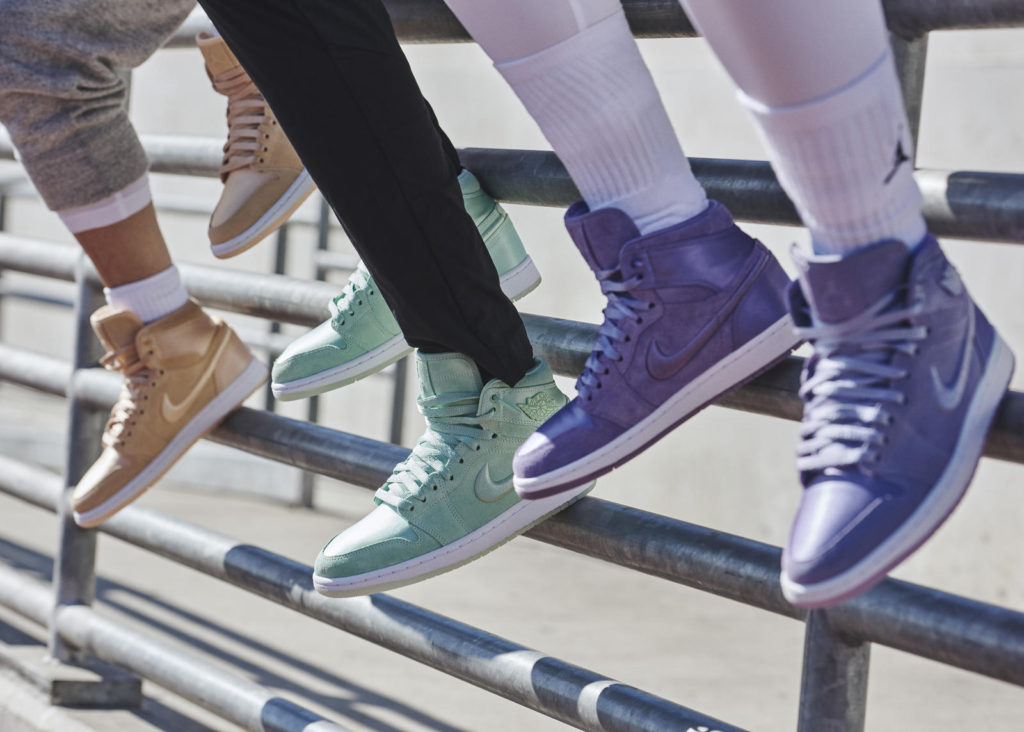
(336, 78)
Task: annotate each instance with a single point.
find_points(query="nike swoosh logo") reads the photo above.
(489, 491)
(662, 366)
(949, 397)
(174, 412)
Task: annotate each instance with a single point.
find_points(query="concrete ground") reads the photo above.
(723, 469)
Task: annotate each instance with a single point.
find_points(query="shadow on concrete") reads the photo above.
(35, 563)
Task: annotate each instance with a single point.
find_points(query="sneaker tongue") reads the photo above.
(839, 287)
(216, 53)
(446, 373)
(599, 235)
(115, 328)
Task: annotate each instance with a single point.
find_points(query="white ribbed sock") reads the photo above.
(845, 160)
(596, 103)
(151, 298)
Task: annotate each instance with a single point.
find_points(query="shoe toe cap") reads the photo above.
(319, 349)
(380, 540)
(838, 524)
(570, 435)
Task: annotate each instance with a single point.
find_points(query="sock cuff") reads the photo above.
(151, 298)
(594, 39)
(868, 90)
(110, 210)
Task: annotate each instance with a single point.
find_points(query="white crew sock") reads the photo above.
(596, 103)
(151, 298)
(114, 208)
(846, 161)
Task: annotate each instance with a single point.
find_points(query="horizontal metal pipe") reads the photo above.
(957, 204)
(520, 674)
(251, 706)
(430, 21)
(564, 344)
(926, 622)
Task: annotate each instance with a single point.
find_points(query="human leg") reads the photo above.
(906, 373)
(373, 146)
(64, 104)
(694, 305)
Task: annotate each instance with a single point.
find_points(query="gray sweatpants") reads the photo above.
(60, 97)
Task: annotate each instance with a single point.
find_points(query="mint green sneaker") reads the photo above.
(361, 337)
(452, 499)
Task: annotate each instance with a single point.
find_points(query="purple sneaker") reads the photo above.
(904, 381)
(693, 310)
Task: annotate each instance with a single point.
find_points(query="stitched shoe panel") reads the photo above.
(362, 335)
(693, 310)
(452, 499)
(182, 374)
(905, 377)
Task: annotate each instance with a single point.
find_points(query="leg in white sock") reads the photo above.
(820, 81)
(578, 71)
(121, 236)
(151, 298)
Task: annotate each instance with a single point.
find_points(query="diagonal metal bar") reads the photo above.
(531, 678)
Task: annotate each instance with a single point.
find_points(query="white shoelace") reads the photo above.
(851, 383)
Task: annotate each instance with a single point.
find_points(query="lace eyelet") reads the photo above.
(435, 487)
(639, 321)
(599, 385)
(477, 448)
(451, 478)
(650, 306)
(494, 435)
(461, 461)
(628, 339)
(266, 149)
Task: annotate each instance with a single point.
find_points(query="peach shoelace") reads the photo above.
(247, 110)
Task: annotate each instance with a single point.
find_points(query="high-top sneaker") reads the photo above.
(693, 311)
(904, 381)
(183, 374)
(452, 499)
(264, 180)
(362, 337)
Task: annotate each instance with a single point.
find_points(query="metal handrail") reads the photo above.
(957, 204)
(927, 622)
(521, 674)
(564, 344)
(974, 636)
(430, 21)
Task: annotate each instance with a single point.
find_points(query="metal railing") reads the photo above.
(960, 632)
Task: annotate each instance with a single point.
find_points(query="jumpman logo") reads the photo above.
(899, 157)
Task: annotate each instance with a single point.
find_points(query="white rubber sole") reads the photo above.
(771, 344)
(516, 283)
(272, 218)
(205, 420)
(522, 517)
(948, 491)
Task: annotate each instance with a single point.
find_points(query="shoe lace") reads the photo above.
(622, 306)
(453, 428)
(138, 379)
(247, 110)
(351, 296)
(851, 383)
